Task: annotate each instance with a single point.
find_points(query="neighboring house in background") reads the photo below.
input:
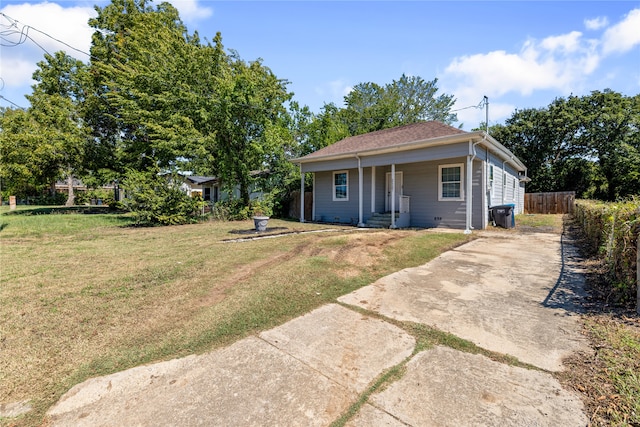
(207, 187)
(79, 187)
(429, 173)
(210, 188)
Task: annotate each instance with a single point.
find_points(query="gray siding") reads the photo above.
(420, 182)
(332, 165)
(339, 211)
(503, 190)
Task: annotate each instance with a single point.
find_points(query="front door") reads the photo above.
(387, 203)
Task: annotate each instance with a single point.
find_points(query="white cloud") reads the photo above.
(191, 10)
(566, 42)
(560, 63)
(471, 111)
(596, 23)
(335, 91)
(69, 25)
(624, 35)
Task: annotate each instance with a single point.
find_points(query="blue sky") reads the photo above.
(520, 54)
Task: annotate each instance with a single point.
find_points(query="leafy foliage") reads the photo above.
(589, 144)
(371, 107)
(48, 141)
(613, 229)
(158, 200)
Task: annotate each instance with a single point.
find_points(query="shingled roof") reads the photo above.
(386, 138)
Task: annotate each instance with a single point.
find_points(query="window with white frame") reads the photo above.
(340, 186)
(450, 184)
(491, 176)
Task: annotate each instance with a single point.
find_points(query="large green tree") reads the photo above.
(172, 100)
(588, 144)
(48, 141)
(141, 58)
(249, 121)
(410, 99)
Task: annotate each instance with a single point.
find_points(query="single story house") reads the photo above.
(210, 189)
(206, 187)
(429, 173)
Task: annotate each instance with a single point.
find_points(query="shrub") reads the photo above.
(236, 210)
(47, 199)
(612, 229)
(91, 196)
(158, 200)
(230, 210)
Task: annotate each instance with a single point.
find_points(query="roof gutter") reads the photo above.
(503, 152)
(443, 140)
(484, 139)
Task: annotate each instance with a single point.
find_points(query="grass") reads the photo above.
(618, 347)
(85, 295)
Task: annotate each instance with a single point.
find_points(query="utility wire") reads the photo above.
(12, 29)
(479, 106)
(11, 102)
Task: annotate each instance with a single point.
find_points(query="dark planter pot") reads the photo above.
(261, 222)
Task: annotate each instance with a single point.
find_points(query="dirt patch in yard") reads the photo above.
(218, 292)
(352, 251)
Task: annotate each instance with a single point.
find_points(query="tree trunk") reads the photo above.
(71, 198)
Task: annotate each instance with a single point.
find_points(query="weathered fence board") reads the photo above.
(561, 202)
(294, 205)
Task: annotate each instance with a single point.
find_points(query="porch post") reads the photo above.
(301, 194)
(360, 193)
(373, 189)
(393, 196)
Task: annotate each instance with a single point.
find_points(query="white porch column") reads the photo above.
(393, 196)
(469, 194)
(360, 193)
(373, 189)
(301, 195)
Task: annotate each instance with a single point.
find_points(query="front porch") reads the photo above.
(366, 196)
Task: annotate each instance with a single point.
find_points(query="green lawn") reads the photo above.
(86, 294)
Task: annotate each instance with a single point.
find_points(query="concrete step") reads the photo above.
(380, 220)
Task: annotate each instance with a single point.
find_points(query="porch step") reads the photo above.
(380, 220)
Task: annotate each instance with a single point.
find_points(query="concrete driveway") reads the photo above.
(515, 294)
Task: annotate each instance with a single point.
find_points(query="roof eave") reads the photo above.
(442, 140)
(478, 136)
(503, 152)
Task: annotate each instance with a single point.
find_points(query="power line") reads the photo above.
(478, 106)
(12, 29)
(11, 102)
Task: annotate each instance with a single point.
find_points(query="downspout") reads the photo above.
(360, 191)
(504, 180)
(470, 157)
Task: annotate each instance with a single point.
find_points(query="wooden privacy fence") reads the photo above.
(294, 205)
(561, 202)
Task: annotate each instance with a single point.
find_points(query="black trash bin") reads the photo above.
(503, 216)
